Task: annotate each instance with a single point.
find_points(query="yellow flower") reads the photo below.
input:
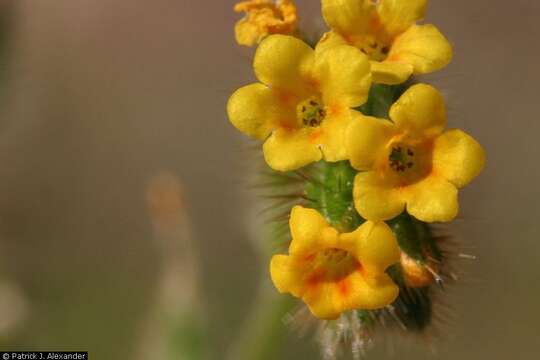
(387, 32)
(334, 272)
(411, 162)
(264, 17)
(302, 106)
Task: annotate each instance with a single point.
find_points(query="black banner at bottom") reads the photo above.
(43, 355)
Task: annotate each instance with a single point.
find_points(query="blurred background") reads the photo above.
(125, 226)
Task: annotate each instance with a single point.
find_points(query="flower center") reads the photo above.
(374, 48)
(401, 158)
(311, 112)
(334, 264)
(408, 163)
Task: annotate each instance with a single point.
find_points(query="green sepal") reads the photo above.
(415, 237)
(381, 97)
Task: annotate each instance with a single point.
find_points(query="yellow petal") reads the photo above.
(371, 293)
(333, 131)
(433, 200)
(246, 33)
(398, 15)
(288, 277)
(424, 47)
(255, 110)
(421, 109)
(343, 74)
(329, 40)
(309, 231)
(365, 140)
(374, 199)
(348, 16)
(374, 245)
(283, 62)
(359, 292)
(458, 157)
(328, 300)
(320, 301)
(390, 72)
(287, 150)
(284, 277)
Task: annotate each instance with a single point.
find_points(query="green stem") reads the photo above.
(263, 336)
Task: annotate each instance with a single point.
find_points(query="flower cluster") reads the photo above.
(308, 108)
